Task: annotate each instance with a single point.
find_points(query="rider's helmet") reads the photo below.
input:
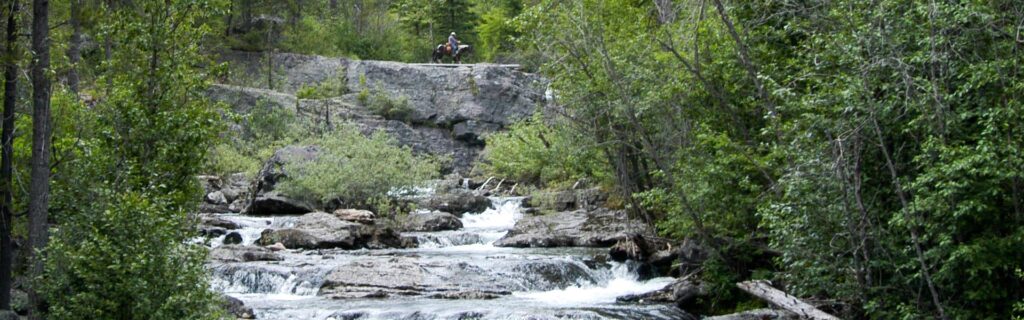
(453, 33)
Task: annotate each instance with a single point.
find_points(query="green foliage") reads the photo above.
(126, 173)
(876, 145)
(532, 151)
(332, 87)
(392, 109)
(496, 32)
(124, 257)
(354, 169)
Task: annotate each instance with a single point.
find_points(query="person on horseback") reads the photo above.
(454, 43)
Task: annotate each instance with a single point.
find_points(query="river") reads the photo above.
(451, 275)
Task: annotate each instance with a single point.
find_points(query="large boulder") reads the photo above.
(456, 201)
(321, 230)
(581, 228)
(568, 200)
(431, 221)
(265, 200)
(276, 203)
(682, 293)
(237, 308)
(236, 253)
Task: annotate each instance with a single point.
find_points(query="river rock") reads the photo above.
(216, 197)
(456, 201)
(321, 230)
(214, 208)
(265, 200)
(276, 203)
(683, 293)
(212, 232)
(215, 221)
(581, 228)
(237, 253)
(431, 221)
(236, 307)
(277, 246)
(568, 200)
(410, 277)
(233, 238)
(355, 215)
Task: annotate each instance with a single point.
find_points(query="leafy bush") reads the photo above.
(392, 109)
(124, 258)
(354, 169)
(331, 87)
(532, 151)
(225, 160)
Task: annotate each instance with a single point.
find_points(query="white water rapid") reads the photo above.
(504, 283)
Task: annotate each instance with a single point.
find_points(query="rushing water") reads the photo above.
(541, 283)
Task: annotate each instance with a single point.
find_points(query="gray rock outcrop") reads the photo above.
(321, 230)
(581, 228)
(236, 253)
(450, 109)
(455, 201)
(431, 221)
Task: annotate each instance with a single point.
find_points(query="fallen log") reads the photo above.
(763, 290)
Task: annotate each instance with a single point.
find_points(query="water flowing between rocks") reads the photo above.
(451, 275)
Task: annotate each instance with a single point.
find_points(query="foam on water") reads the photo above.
(623, 281)
(501, 216)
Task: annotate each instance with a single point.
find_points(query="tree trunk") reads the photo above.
(74, 48)
(764, 290)
(39, 183)
(6, 171)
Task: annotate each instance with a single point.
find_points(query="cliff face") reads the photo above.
(446, 109)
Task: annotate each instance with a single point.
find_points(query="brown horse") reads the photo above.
(443, 50)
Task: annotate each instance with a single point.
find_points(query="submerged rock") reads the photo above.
(236, 253)
(580, 228)
(431, 221)
(321, 230)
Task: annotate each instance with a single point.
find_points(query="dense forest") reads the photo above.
(873, 149)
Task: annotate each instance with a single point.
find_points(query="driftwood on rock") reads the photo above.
(763, 289)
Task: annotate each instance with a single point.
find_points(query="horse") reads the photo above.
(443, 50)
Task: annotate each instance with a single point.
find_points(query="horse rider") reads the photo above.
(454, 43)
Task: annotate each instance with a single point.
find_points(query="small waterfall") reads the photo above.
(619, 280)
(267, 279)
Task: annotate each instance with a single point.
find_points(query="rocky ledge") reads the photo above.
(601, 227)
(321, 230)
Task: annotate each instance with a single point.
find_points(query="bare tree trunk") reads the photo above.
(6, 155)
(39, 184)
(74, 48)
(914, 237)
